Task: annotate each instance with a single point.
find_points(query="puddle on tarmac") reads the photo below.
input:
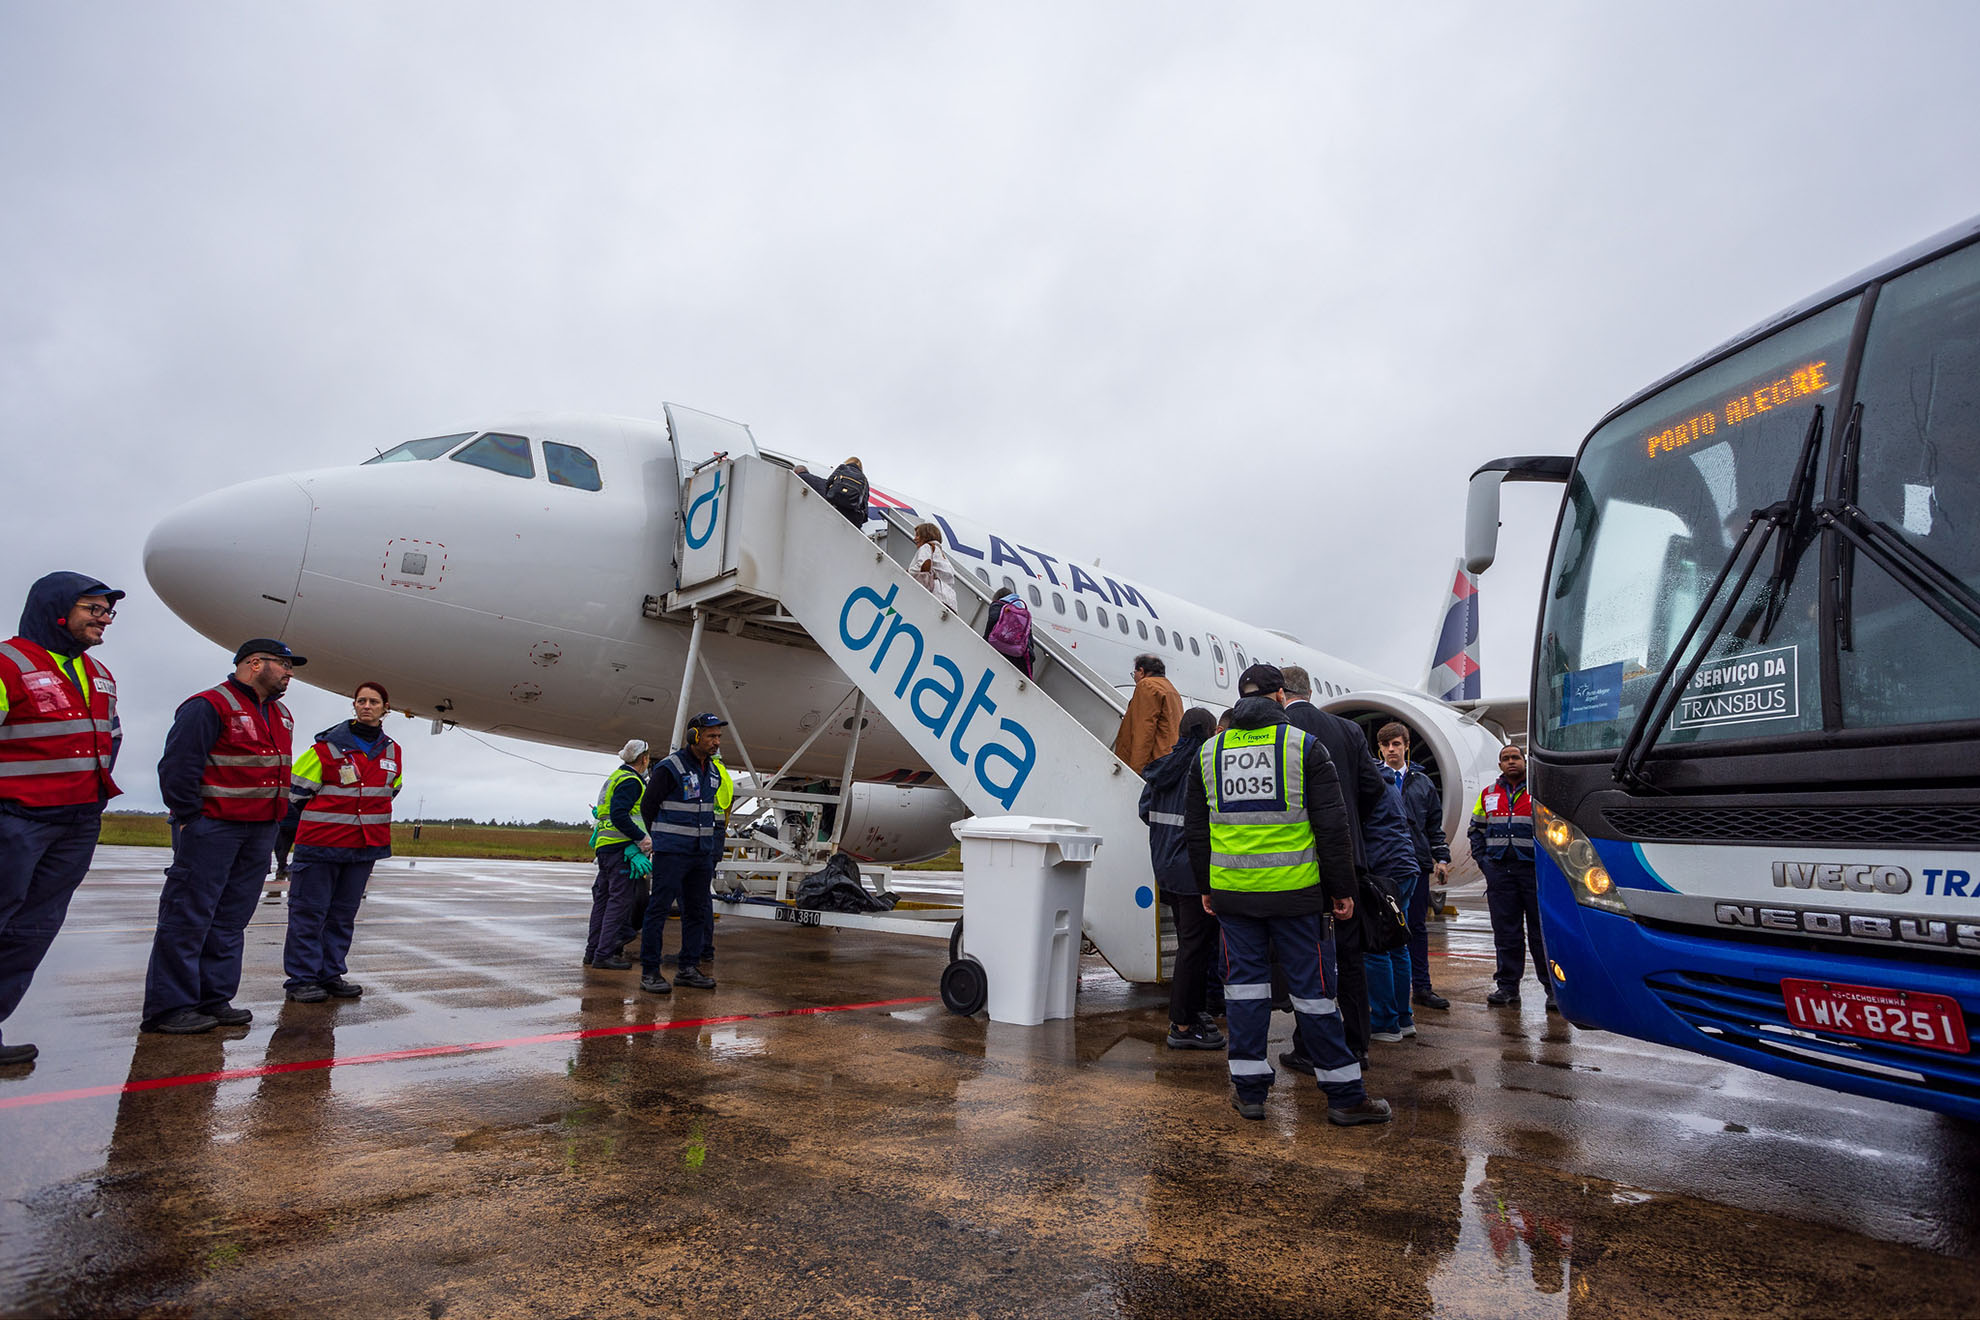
(1510, 1260)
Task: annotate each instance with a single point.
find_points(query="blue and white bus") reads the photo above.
(1754, 730)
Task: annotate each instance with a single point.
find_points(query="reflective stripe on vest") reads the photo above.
(1508, 817)
(604, 833)
(1261, 840)
(354, 815)
(57, 743)
(686, 824)
(248, 768)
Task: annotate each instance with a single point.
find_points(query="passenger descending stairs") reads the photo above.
(760, 545)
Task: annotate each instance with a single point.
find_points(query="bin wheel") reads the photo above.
(955, 940)
(965, 989)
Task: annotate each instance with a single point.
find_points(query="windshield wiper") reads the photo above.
(1794, 517)
(1912, 569)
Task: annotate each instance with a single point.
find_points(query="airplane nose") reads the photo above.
(228, 563)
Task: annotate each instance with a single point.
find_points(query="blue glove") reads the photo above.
(642, 865)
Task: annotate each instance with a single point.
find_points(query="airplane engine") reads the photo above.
(893, 824)
(1460, 754)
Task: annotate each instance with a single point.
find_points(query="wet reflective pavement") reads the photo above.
(737, 1152)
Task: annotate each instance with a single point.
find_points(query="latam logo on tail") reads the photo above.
(1454, 674)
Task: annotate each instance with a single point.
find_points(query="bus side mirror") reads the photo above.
(1481, 521)
(1481, 508)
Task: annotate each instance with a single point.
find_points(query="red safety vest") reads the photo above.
(246, 776)
(1508, 817)
(55, 748)
(353, 811)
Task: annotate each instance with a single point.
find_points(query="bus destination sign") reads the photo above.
(1764, 397)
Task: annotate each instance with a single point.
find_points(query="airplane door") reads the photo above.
(1217, 659)
(699, 436)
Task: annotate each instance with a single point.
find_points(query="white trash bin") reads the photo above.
(1024, 897)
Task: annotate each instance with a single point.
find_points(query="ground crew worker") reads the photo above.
(225, 779)
(679, 811)
(725, 798)
(340, 798)
(59, 737)
(618, 827)
(1268, 837)
(1501, 837)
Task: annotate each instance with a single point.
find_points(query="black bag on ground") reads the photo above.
(1384, 921)
(837, 887)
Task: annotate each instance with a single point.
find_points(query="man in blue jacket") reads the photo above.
(1163, 792)
(1423, 806)
(679, 813)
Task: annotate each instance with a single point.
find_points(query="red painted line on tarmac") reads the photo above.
(439, 1051)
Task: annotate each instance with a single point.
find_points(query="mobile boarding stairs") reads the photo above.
(761, 553)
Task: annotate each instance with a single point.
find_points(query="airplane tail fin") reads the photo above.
(1453, 673)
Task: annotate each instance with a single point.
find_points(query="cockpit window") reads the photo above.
(507, 454)
(413, 451)
(570, 466)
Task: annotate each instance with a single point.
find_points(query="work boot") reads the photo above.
(1370, 1110)
(181, 1022)
(309, 994)
(341, 989)
(17, 1054)
(229, 1016)
(694, 977)
(1296, 1061)
(587, 960)
(1503, 999)
(1431, 999)
(1196, 1036)
(612, 964)
(1252, 1109)
(1553, 1004)
(655, 984)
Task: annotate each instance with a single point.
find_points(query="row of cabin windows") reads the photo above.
(565, 465)
(1163, 637)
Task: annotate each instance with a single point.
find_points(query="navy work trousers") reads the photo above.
(41, 863)
(1308, 962)
(1196, 943)
(210, 892)
(1419, 933)
(611, 903)
(688, 877)
(1512, 896)
(323, 904)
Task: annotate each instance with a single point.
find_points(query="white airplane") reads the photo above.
(508, 578)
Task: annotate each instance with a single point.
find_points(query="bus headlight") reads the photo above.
(1574, 852)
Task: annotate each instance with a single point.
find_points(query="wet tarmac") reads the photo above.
(493, 1130)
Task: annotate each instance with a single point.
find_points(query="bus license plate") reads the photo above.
(1866, 1011)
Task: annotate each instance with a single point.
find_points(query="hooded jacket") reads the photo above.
(1327, 817)
(48, 600)
(1164, 794)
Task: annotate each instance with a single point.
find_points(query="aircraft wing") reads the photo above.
(1505, 716)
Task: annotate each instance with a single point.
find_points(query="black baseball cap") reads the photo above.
(268, 646)
(706, 720)
(1261, 681)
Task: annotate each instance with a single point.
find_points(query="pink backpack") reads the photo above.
(1012, 635)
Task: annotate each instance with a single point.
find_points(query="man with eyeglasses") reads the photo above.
(59, 736)
(225, 780)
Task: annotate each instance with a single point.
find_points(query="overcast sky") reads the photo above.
(1233, 296)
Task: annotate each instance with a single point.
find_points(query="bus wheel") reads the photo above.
(965, 989)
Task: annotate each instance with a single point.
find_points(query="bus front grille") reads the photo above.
(1945, 825)
(1751, 1014)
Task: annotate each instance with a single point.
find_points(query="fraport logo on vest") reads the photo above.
(1000, 767)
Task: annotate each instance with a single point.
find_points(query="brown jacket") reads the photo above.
(1151, 725)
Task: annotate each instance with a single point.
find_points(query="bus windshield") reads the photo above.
(1662, 492)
